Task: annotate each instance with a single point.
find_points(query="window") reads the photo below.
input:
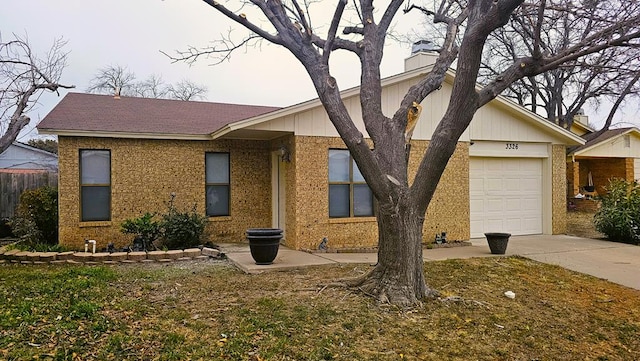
(349, 194)
(95, 185)
(217, 184)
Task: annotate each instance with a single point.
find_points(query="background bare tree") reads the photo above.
(112, 79)
(152, 87)
(398, 276)
(118, 79)
(24, 76)
(600, 78)
(187, 90)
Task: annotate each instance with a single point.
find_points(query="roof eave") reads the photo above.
(132, 135)
(34, 149)
(599, 143)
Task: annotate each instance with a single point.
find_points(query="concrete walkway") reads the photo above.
(616, 262)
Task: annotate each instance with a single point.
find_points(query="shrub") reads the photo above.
(36, 219)
(182, 229)
(38, 247)
(145, 230)
(5, 228)
(619, 215)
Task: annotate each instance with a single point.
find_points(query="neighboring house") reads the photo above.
(247, 166)
(21, 157)
(24, 167)
(613, 154)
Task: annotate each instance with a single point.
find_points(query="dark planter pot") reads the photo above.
(589, 188)
(264, 244)
(498, 242)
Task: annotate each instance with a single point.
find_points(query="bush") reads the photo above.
(5, 228)
(145, 231)
(177, 229)
(38, 247)
(36, 219)
(619, 215)
(182, 229)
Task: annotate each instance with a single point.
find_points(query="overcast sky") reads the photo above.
(132, 33)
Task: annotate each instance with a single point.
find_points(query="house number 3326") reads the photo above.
(512, 146)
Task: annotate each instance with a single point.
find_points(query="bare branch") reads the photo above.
(23, 75)
(615, 107)
(419, 8)
(242, 20)
(326, 50)
(220, 51)
(353, 30)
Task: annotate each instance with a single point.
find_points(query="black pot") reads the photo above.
(264, 244)
(497, 242)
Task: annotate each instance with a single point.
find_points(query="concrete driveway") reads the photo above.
(616, 262)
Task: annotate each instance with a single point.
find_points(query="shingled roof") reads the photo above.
(105, 113)
(607, 134)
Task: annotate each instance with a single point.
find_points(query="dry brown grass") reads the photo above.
(580, 224)
(210, 311)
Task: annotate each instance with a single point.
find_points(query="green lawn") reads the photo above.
(207, 310)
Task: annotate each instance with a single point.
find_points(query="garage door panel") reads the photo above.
(477, 204)
(505, 195)
(493, 205)
(477, 184)
(528, 184)
(513, 222)
(495, 223)
(513, 205)
(493, 184)
(511, 185)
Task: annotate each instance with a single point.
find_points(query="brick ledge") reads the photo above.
(27, 258)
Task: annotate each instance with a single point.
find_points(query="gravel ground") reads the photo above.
(580, 224)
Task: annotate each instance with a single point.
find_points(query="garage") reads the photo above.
(506, 195)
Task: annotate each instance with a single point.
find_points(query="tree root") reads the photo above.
(371, 285)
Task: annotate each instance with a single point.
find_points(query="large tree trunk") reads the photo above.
(398, 277)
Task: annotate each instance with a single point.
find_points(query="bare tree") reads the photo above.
(152, 87)
(112, 79)
(118, 80)
(560, 93)
(398, 277)
(23, 77)
(187, 90)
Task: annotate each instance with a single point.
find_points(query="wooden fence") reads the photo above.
(13, 184)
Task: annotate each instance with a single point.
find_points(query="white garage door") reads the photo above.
(506, 195)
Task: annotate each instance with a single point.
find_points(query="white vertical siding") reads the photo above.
(494, 121)
(616, 147)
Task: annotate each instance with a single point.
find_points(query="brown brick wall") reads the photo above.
(559, 189)
(448, 211)
(145, 173)
(573, 175)
(604, 169)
